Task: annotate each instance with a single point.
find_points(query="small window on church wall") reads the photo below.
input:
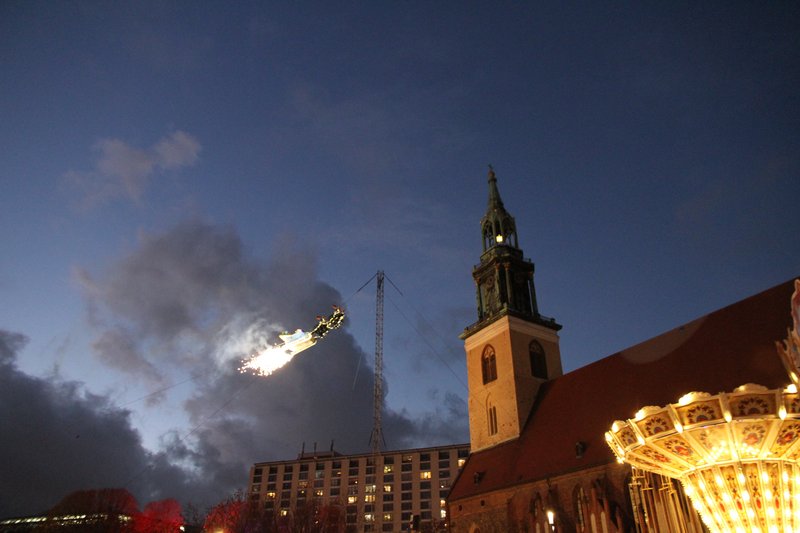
(538, 360)
(580, 498)
(488, 365)
(492, 419)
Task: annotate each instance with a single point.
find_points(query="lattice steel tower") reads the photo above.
(377, 432)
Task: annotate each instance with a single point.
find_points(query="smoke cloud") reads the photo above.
(191, 300)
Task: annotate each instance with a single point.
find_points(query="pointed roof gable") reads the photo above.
(715, 353)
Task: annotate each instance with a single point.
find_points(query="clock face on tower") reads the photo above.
(491, 301)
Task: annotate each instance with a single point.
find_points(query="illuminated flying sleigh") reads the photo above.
(269, 359)
(294, 343)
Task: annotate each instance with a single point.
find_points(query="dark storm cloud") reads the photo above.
(192, 299)
(447, 419)
(60, 438)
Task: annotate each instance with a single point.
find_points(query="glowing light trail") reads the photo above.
(270, 359)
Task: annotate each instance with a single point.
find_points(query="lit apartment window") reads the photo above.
(369, 498)
(461, 462)
(387, 517)
(443, 513)
(369, 517)
(369, 488)
(388, 469)
(284, 512)
(387, 488)
(271, 495)
(408, 458)
(425, 475)
(442, 503)
(319, 493)
(352, 499)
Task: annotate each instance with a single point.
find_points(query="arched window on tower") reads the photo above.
(538, 360)
(488, 365)
(489, 236)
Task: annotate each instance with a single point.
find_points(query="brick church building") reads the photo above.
(539, 461)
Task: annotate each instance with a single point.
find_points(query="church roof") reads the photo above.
(715, 353)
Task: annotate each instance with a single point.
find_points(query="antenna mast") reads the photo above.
(377, 432)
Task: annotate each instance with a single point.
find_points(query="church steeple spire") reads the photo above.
(504, 277)
(494, 194)
(497, 224)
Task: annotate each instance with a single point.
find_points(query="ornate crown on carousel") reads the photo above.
(736, 453)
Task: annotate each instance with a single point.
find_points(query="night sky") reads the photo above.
(181, 181)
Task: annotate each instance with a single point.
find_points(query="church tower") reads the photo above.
(511, 349)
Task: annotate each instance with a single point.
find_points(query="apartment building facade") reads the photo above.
(389, 492)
